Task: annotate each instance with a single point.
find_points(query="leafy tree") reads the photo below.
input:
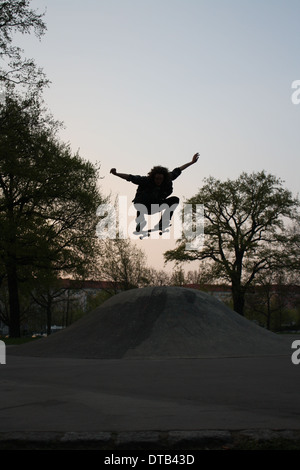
(158, 277)
(270, 295)
(290, 254)
(178, 277)
(46, 296)
(123, 263)
(244, 229)
(48, 201)
(16, 16)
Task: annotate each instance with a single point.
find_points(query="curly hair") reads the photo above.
(160, 170)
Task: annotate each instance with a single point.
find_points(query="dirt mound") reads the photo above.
(158, 322)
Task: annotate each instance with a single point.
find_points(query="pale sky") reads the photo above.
(140, 83)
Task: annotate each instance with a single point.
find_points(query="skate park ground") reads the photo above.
(54, 398)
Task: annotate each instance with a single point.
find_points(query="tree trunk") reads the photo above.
(49, 314)
(238, 296)
(268, 311)
(14, 305)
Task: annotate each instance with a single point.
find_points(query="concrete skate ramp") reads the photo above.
(159, 322)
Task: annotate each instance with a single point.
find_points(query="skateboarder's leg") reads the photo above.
(170, 205)
(167, 210)
(140, 216)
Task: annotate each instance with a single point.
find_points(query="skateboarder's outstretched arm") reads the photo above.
(194, 160)
(124, 176)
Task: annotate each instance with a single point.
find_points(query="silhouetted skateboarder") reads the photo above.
(153, 193)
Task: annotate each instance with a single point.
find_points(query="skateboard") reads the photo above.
(146, 233)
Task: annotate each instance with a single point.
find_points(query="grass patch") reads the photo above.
(16, 341)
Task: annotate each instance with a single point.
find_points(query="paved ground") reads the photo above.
(114, 402)
(151, 368)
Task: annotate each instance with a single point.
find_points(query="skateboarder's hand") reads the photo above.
(113, 171)
(195, 157)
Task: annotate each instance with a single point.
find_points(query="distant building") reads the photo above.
(290, 293)
(93, 286)
(221, 292)
(81, 290)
